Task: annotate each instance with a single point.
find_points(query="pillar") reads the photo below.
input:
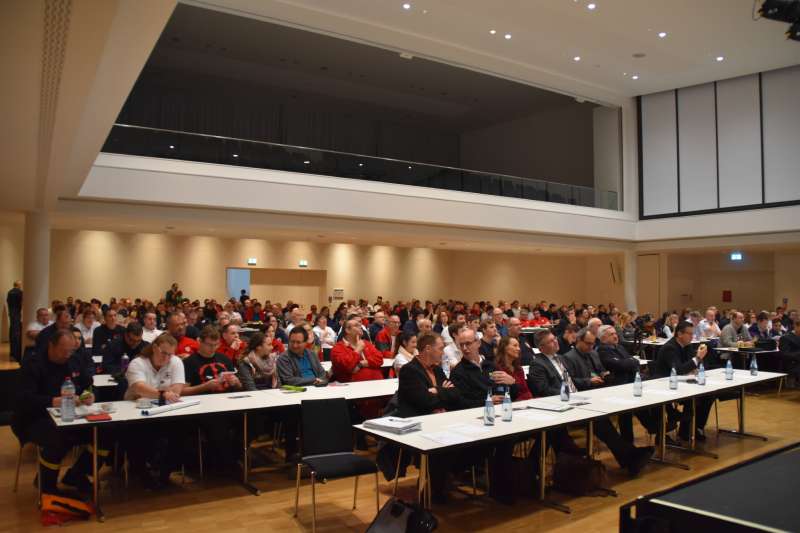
(36, 264)
(629, 280)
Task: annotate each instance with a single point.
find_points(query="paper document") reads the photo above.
(446, 437)
(536, 415)
(471, 430)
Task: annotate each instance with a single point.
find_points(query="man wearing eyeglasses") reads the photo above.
(467, 376)
(386, 338)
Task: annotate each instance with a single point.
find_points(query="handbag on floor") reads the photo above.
(397, 516)
(578, 475)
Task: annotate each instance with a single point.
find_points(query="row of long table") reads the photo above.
(438, 432)
(446, 431)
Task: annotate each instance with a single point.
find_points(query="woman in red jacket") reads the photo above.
(508, 361)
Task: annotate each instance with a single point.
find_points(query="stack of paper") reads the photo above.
(393, 424)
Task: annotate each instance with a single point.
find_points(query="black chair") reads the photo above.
(327, 450)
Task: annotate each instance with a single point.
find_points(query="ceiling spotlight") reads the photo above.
(591, 7)
(720, 58)
(406, 6)
(361, 164)
(306, 162)
(171, 146)
(662, 34)
(235, 155)
(508, 36)
(493, 32)
(576, 58)
(635, 77)
(409, 167)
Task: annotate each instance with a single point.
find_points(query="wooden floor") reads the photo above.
(225, 505)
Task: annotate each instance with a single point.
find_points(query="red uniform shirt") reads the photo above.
(230, 353)
(186, 347)
(344, 359)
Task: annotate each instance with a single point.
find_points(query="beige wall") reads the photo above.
(12, 236)
(104, 264)
(601, 286)
(697, 280)
(787, 278)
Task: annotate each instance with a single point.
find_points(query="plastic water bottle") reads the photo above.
(488, 411)
(124, 363)
(729, 370)
(564, 390)
(508, 411)
(446, 367)
(637, 384)
(673, 379)
(68, 401)
(701, 374)
(753, 366)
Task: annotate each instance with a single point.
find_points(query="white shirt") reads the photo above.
(448, 340)
(87, 333)
(402, 358)
(453, 355)
(37, 326)
(236, 317)
(327, 337)
(141, 370)
(149, 335)
(708, 329)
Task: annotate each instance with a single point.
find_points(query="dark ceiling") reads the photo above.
(282, 59)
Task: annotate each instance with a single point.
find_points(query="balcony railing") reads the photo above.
(154, 142)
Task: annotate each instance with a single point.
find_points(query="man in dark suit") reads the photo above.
(14, 302)
(679, 353)
(583, 362)
(549, 371)
(63, 320)
(423, 389)
(566, 338)
(623, 367)
(790, 352)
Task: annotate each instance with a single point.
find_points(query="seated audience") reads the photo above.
(106, 332)
(63, 320)
(708, 326)
(298, 365)
(87, 325)
(489, 338)
(508, 370)
(39, 387)
(326, 336)
(386, 339)
(670, 323)
(790, 353)
(378, 324)
(547, 374)
(208, 371)
(452, 355)
(150, 330)
(257, 369)
(355, 359)
(761, 329)
(679, 353)
(515, 331)
(734, 333)
(176, 326)
(468, 375)
(157, 373)
(231, 346)
(499, 318)
(405, 352)
(583, 362)
(130, 345)
(566, 339)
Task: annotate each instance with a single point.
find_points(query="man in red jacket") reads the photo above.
(386, 338)
(355, 359)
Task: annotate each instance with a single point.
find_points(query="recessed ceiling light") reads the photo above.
(720, 58)
(306, 162)
(635, 77)
(235, 155)
(662, 34)
(591, 7)
(493, 32)
(361, 164)
(409, 167)
(508, 36)
(406, 6)
(171, 146)
(576, 58)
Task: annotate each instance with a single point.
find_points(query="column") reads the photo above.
(36, 264)
(629, 279)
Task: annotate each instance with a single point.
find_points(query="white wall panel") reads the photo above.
(739, 133)
(659, 154)
(697, 144)
(781, 112)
